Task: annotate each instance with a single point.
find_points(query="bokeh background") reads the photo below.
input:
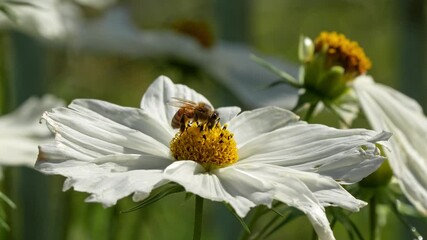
(393, 34)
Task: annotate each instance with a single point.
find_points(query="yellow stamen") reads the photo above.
(212, 147)
(344, 52)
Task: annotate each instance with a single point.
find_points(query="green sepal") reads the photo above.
(331, 83)
(381, 177)
(306, 98)
(287, 78)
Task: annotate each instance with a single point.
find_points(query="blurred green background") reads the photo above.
(393, 34)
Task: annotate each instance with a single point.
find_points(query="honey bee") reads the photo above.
(192, 111)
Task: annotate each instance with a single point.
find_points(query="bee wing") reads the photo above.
(181, 103)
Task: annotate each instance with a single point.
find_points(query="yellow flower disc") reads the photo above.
(343, 51)
(212, 147)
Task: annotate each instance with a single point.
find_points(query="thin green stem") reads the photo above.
(373, 218)
(198, 217)
(310, 111)
(251, 224)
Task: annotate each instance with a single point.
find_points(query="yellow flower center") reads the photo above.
(199, 30)
(212, 147)
(340, 50)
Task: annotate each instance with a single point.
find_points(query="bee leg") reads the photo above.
(213, 120)
(183, 124)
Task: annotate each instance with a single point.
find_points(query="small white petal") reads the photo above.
(160, 92)
(390, 110)
(227, 113)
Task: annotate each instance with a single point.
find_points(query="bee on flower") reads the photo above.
(243, 159)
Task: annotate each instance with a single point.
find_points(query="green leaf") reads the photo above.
(242, 222)
(407, 209)
(348, 224)
(412, 229)
(161, 193)
(4, 225)
(7, 200)
(294, 213)
(285, 76)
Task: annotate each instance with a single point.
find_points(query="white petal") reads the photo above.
(346, 106)
(345, 155)
(24, 121)
(292, 187)
(227, 113)
(133, 118)
(94, 135)
(105, 182)
(390, 110)
(241, 191)
(251, 124)
(160, 92)
(21, 133)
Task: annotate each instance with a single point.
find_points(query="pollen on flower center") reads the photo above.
(212, 147)
(343, 51)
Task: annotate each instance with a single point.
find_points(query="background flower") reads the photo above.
(390, 110)
(21, 132)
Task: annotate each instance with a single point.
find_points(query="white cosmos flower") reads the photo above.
(21, 133)
(390, 110)
(111, 152)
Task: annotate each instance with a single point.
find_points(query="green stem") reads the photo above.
(198, 217)
(310, 111)
(373, 218)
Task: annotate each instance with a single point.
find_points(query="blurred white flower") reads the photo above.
(52, 20)
(114, 32)
(46, 19)
(262, 155)
(389, 110)
(228, 63)
(21, 132)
